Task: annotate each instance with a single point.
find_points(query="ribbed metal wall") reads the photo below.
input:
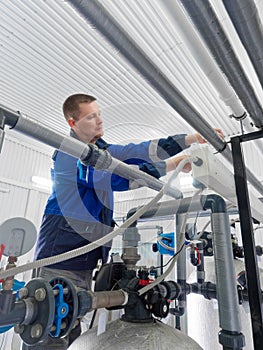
(21, 160)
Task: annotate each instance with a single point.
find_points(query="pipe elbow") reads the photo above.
(216, 203)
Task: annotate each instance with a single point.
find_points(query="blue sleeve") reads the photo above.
(69, 169)
(148, 151)
(131, 153)
(170, 146)
(104, 180)
(156, 169)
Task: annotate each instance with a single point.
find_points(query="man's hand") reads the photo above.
(173, 162)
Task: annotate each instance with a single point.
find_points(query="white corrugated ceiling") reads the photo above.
(47, 51)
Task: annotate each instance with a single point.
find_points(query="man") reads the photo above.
(80, 208)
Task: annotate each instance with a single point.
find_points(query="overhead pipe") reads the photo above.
(88, 153)
(94, 12)
(209, 67)
(246, 20)
(209, 27)
(203, 58)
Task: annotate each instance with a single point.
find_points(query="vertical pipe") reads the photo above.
(230, 336)
(181, 271)
(252, 274)
(200, 267)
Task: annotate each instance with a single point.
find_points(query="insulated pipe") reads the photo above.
(88, 153)
(245, 18)
(94, 12)
(203, 58)
(208, 25)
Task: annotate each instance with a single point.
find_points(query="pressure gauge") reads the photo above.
(18, 235)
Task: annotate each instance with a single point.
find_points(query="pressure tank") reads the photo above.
(121, 335)
(202, 314)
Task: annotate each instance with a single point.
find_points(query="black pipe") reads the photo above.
(16, 316)
(200, 267)
(246, 20)
(208, 25)
(216, 203)
(207, 289)
(253, 282)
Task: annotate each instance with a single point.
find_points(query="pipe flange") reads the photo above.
(41, 312)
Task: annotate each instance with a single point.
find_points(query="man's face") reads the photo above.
(89, 126)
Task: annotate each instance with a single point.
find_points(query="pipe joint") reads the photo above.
(216, 203)
(98, 158)
(231, 340)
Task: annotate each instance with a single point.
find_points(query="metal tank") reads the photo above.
(122, 335)
(202, 314)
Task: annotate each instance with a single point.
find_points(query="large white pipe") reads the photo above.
(203, 58)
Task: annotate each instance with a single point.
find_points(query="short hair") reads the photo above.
(71, 105)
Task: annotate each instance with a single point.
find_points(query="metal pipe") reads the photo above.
(88, 153)
(246, 20)
(209, 27)
(94, 12)
(108, 299)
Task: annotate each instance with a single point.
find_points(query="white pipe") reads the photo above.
(203, 58)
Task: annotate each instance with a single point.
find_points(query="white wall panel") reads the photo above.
(19, 198)
(19, 160)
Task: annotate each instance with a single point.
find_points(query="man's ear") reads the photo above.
(71, 122)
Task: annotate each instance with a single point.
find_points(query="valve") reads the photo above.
(61, 310)
(66, 307)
